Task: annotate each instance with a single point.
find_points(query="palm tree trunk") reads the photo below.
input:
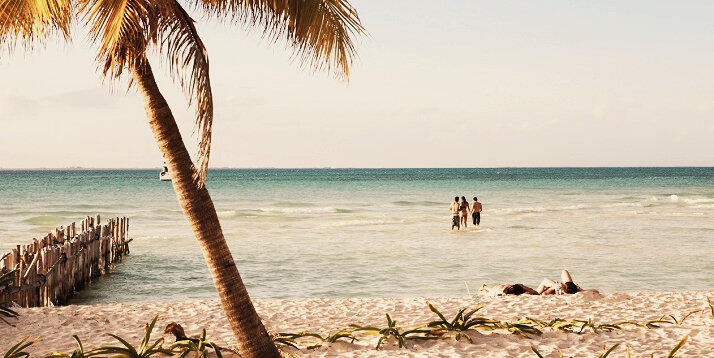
(253, 339)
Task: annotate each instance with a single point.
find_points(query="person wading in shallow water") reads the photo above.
(464, 213)
(476, 212)
(455, 209)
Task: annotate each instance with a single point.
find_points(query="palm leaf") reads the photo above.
(607, 352)
(676, 348)
(438, 313)
(79, 342)
(147, 333)
(319, 31)
(186, 55)
(17, 350)
(681, 321)
(536, 352)
(286, 341)
(471, 313)
(31, 21)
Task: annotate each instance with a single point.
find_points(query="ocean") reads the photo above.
(386, 232)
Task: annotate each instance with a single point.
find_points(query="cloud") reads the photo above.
(22, 107)
(97, 97)
(14, 107)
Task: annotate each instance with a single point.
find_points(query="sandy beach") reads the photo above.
(55, 325)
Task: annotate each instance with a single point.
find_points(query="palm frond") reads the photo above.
(33, 20)
(187, 58)
(124, 30)
(319, 31)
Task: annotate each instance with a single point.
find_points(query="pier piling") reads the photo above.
(49, 271)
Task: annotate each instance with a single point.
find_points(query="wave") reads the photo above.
(303, 210)
(417, 203)
(526, 227)
(525, 210)
(699, 201)
(165, 211)
(703, 206)
(45, 220)
(366, 223)
(685, 214)
(292, 204)
(93, 206)
(78, 214)
(226, 213)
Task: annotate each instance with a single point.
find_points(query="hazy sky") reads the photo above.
(438, 84)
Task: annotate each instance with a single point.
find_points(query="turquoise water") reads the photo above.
(385, 232)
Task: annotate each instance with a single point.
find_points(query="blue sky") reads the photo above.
(438, 84)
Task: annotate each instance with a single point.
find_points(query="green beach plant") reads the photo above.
(461, 323)
(288, 341)
(607, 352)
(676, 348)
(317, 339)
(77, 353)
(145, 349)
(200, 346)
(680, 321)
(18, 350)
(521, 329)
(464, 322)
(5, 311)
(536, 352)
(391, 331)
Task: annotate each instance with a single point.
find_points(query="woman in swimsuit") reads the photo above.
(567, 286)
(547, 287)
(464, 213)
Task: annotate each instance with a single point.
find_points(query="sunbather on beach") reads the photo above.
(566, 286)
(507, 289)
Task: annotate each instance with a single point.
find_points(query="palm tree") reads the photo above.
(319, 31)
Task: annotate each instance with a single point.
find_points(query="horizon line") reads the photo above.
(75, 168)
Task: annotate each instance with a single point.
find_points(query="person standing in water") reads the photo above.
(476, 212)
(455, 210)
(464, 213)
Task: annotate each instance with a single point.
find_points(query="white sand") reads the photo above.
(91, 323)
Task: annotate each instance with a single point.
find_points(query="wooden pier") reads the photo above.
(49, 271)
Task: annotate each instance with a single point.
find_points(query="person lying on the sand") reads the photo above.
(567, 286)
(508, 289)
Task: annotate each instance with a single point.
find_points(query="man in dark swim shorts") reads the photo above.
(476, 211)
